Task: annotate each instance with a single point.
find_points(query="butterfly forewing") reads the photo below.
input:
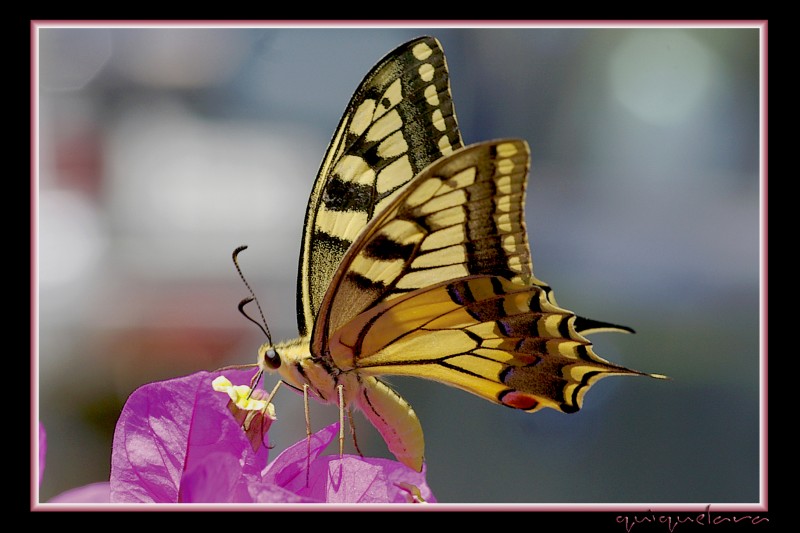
(399, 120)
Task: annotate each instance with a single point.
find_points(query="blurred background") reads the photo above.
(161, 149)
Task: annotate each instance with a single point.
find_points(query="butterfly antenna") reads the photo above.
(251, 298)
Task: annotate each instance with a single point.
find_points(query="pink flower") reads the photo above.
(176, 441)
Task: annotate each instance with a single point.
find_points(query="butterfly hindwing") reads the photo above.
(500, 340)
(399, 120)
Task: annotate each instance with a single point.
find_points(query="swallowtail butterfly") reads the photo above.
(415, 261)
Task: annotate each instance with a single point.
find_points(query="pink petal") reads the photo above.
(350, 479)
(173, 428)
(288, 470)
(42, 450)
(218, 479)
(346, 480)
(270, 493)
(93, 493)
(353, 479)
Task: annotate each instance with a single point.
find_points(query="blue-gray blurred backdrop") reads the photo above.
(163, 148)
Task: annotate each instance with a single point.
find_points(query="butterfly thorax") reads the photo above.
(298, 367)
(391, 415)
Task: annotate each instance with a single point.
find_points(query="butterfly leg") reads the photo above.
(274, 390)
(264, 412)
(351, 420)
(308, 431)
(340, 390)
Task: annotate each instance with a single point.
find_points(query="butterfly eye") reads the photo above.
(271, 359)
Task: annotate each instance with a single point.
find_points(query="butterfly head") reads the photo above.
(269, 360)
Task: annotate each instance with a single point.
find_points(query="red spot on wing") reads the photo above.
(518, 400)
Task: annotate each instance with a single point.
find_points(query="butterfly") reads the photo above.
(415, 261)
